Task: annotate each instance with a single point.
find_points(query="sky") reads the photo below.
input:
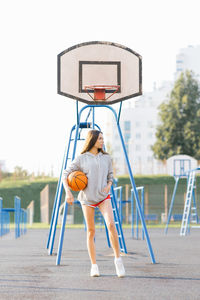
(34, 120)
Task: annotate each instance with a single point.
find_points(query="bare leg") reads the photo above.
(89, 219)
(107, 212)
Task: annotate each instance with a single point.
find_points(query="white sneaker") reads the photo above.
(119, 267)
(94, 272)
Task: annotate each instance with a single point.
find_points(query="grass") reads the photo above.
(80, 226)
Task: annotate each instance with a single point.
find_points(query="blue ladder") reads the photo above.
(186, 212)
(118, 224)
(69, 155)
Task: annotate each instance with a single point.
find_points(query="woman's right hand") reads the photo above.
(69, 197)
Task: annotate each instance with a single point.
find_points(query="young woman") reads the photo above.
(97, 166)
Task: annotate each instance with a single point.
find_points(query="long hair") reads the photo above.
(90, 141)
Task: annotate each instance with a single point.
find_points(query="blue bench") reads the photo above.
(151, 217)
(177, 217)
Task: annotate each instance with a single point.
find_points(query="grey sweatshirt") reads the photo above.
(98, 169)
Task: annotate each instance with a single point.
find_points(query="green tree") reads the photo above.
(20, 173)
(179, 130)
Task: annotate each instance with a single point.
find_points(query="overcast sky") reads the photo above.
(34, 120)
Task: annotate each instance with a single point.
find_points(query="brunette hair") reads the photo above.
(90, 141)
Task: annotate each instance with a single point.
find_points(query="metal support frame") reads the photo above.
(118, 195)
(51, 237)
(20, 216)
(135, 214)
(177, 179)
(172, 203)
(182, 166)
(4, 220)
(185, 224)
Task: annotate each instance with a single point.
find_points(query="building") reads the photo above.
(188, 59)
(138, 122)
(2, 165)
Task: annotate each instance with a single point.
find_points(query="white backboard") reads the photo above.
(99, 63)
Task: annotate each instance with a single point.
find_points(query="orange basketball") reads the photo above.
(77, 181)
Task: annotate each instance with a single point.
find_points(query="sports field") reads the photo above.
(27, 272)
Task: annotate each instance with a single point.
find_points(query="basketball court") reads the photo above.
(27, 272)
(99, 74)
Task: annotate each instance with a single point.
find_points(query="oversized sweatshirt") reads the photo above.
(98, 169)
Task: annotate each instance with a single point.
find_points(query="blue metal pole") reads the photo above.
(1, 216)
(136, 197)
(17, 216)
(21, 222)
(142, 195)
(139, 189)
(93, 118)
(132, 213)
(119, 227)
(25, 222)
(119, 113)
(66, 154)
(136, 221)
(107, 234)
(60, 245)
(172, 203)
(15, 206)
(58, 198)
(8, 222)
(55, 220)
(4, 225)
(3, 222)
(60, 194)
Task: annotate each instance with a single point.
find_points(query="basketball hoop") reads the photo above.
(101, 90)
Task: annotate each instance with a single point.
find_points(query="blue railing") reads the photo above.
(20, 216)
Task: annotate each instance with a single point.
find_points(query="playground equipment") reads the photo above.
(135, 213)
(20, 216)
(187, 216)
(134, 210)
(101, 68)
(187, 208)
(4, 220)
(118, 195)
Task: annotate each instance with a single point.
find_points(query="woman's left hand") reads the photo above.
(107, 188)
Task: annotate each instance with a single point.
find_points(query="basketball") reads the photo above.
(77, 181)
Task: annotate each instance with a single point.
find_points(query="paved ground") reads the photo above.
(27, 272)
